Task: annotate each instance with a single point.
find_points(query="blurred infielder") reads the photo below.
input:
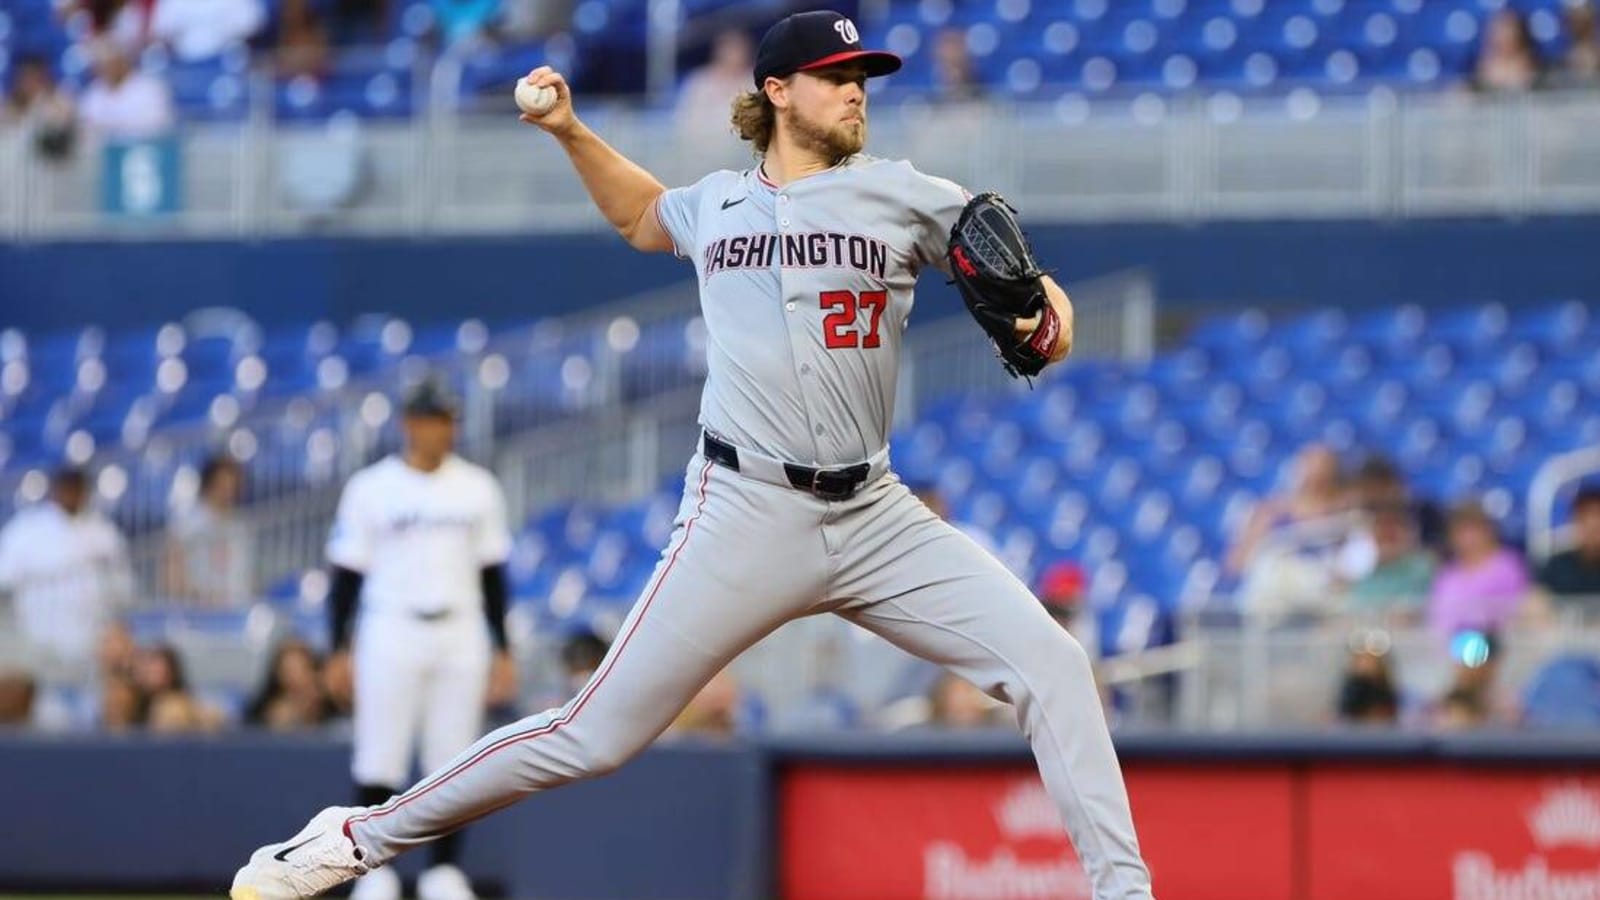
(806, 265)
(420, 539)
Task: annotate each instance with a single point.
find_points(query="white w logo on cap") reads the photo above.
(847, 31)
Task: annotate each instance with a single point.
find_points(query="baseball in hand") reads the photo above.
(535, 101)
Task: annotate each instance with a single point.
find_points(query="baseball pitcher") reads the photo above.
(806, 265)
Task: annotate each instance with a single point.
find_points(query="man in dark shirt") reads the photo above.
(1573, 577)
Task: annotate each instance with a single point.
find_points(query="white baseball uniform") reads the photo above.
(805, 290)
(68, 575)
(422, 647)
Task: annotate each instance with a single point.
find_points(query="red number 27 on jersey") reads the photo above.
(839, 329)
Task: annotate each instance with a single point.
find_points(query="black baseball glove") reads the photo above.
(1001, 283)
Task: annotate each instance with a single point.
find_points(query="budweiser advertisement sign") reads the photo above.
(1456, 833)
(1268, 832)
(994, 834)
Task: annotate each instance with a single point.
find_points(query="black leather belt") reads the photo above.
(828, 484)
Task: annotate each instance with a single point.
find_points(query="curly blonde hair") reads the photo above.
(755, 119)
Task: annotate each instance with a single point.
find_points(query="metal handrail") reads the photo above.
(1182, 158)
(1544, 536)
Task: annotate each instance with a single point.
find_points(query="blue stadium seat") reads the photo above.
(1396, 332)
(1313, 336)
(1564, 693)
(1558, 327)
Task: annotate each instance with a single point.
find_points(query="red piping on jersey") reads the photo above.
(577, 705)
(655, 207)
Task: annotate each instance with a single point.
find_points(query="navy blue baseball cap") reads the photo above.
(432, 399)
(812, 40)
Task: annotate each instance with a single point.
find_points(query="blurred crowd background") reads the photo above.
(1380, 515)
(133, 68)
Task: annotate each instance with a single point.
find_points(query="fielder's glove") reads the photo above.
(994, 268)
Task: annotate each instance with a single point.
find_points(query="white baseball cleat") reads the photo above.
(444, 882)
(319, 857)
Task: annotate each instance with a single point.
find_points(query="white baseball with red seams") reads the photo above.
(535, 101)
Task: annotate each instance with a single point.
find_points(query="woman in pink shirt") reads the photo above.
(1484, 582)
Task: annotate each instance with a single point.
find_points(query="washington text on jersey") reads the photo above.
(807, 250)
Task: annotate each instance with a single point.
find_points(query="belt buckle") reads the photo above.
(834, 484)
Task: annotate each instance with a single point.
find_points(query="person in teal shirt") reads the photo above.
(1402, 571)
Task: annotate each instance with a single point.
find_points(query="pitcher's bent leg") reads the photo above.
(701, 608)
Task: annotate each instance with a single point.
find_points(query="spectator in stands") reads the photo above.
(1461, 710)
(122, 707)
(956, 704)
(581, 655)
(1367, 694)
(302, 41)
(116, 651)
(1396, 586)
(1378, 482)
(66, 568)
(464, 22)
(210, 553)
(171, 708)
(1508, 60)
(1063, 589)
(125, 23)
(202, 29)
(1580, 67)
(714, 711)
(1288, 551)
(123, 103)
(38, 105)
(1571, 579)
(17, 691)
(955, 78)
(292, 697)
(707, 92)
(1317, 493)
(1484, 584)
(1475, 697)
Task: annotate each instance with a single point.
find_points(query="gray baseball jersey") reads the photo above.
(805, 290)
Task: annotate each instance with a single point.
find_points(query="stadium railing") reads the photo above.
(1182, 158)
(1546, 535)
(1236, 672)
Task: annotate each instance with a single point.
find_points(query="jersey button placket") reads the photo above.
(798, 334)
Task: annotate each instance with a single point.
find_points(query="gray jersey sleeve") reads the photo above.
(935, 204)
(678, 211)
